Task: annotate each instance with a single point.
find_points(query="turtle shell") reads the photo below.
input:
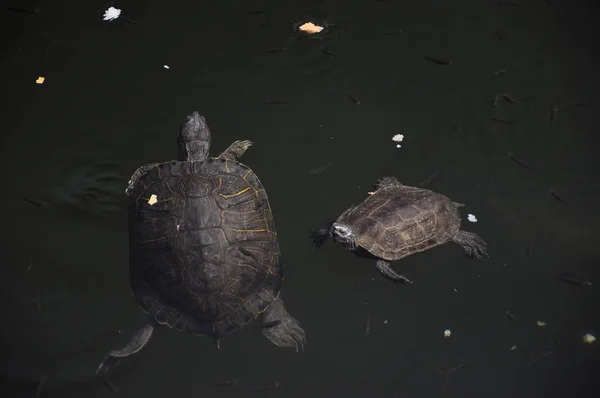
(204, 253)
(395, 222)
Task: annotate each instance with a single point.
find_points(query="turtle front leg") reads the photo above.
(387, 271)
(137, 342)
(137, 174)
(281, 328)
(235, 150)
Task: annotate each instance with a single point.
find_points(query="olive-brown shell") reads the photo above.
(395, 222)
(204, 253)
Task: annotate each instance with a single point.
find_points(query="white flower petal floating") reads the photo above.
(398, 138)
(153, 199)
(111, 14)
(472, 218)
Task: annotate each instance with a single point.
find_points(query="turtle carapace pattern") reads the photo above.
(396, 221)
(204, 253)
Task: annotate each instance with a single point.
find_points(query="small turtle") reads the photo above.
(204, 254)
(396, 221)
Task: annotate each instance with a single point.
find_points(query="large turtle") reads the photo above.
(396, 221)
(204, 254)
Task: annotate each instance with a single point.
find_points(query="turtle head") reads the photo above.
(193, 139)
(344, 234)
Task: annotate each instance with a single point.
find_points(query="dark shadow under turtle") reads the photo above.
(204, 253)
(397, 221)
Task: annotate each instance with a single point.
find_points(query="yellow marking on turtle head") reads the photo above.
(235, 194)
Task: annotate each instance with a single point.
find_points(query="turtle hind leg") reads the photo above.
(387, 271)
(137, 342)
(236, 149)
(471, 243)
(387, 182)
(281, 328)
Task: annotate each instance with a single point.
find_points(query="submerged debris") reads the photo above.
(438, 61)
(271, 386)
(573, 280)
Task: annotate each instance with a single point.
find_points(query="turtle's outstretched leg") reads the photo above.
(281, 328)
(235, 150)
(137, 342)
(387, 182)
(137, 174)
(387, 271)
(471, 243)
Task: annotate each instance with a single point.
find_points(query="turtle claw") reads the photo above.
(287, 334)
(108, 363)
(283, 330)
(236, 149)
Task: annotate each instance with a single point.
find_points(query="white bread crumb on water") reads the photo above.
(472, 218)
(111, 14)
(589, 338)
(398, 138)
(153, 199)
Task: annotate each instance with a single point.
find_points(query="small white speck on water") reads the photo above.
(178, 227)
(472, 218)
(119, 330)
(398, 138)
(447, 333)
(398, 146)
(385, 321)
(166, 66)
(514, 347)
(331, 137)
(456, 290)
(589, 338)
(372, 279)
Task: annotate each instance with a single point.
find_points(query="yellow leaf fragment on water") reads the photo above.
(40, 80)
(153, 199)
(541, 323)
(589, 338)
(310, 28)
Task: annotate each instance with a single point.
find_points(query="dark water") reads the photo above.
(108, 105)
